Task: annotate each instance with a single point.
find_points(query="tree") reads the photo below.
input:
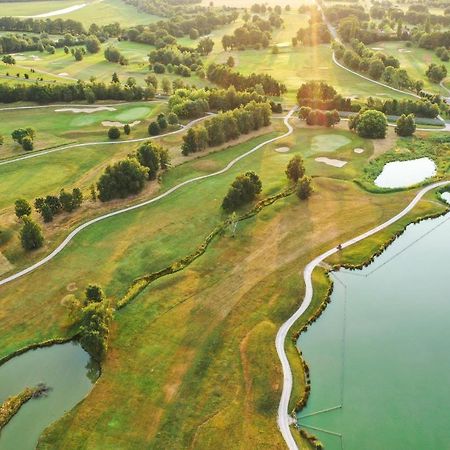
(92, 44)
(230, 62)
(114, 133)
(244, 189)
(78, 54)
(27, 143)
(154, 129)
(406, 125)
(31, 235)
(9, 60)
(304, 188)
(2, 139)
(124, 178)
(172, 118)
(22, 208)
(66, 50)
(376, 68)
(151, 80)
(46, 213)
(162, 122)
(127, 129)
(166, 86)
(93, 293)
(436, 73)
(66, 200)
(77, 197)
(295, 169)
(205, 46)
(148, 155)
(115, 78)
(369, 124)
(112, 54)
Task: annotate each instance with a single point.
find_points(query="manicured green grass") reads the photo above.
(192, 358)
(100, 12)
(416, 61)
(55, 127)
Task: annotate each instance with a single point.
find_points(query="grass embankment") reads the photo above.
(12, 405)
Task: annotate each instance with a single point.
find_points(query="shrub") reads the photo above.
(31, 235)
(22, 208)
(304, 188)
(406, 125)
(27, 143)
(114, 133)
(369, 124)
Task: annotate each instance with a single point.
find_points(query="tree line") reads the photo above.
(226, 126)
(225, 76)
(193, 103)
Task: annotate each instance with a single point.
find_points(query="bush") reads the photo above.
(31, 235)
(295, 169)
(154, 129)
(127, 129)
(27, 143)
(172, 118)
(406, 125)
(22, 208)
(114, 133)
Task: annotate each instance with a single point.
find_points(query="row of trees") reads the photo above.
(319, 117)
(225, 76)
(52, 205)
(193, 103)
(226, 126)
(65, 92)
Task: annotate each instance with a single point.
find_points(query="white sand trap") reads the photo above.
(403, 50)
(35, 57)
(446, 196)
(358, 150)
(332, 162)
(63, 74)
(86, 110)
(282, 149)
(59, 12)
(284, 44)
(377, 48)
(107, 123)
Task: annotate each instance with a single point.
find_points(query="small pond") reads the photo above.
(446, 196)
(399, 174)
(69, 372)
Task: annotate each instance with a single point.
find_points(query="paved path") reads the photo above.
(284, 419)
(90, 144)
(81, 227)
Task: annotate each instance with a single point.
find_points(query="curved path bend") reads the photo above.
(90, 144)
(284, 419)
(81, 227)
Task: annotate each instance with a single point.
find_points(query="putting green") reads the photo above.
(140, 112)
(328, 142)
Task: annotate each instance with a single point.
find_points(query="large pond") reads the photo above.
(380, 351)
(67, 369)
(399, 174)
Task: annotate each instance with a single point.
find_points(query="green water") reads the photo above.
(382, 349)
(67, 369)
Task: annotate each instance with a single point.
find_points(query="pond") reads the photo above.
(69, 372)
(399, 174)
(380, 351)
(446, 196)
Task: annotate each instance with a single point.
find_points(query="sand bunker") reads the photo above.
(86, 110)
(284, 44)
(403, 50)
(377, 48)
(63, 74)
(107, 123)
(71, 287)
(282, 149)
(332, 162)
(358, 150)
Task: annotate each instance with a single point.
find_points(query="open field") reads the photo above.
(192, 313)
(101, 12)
